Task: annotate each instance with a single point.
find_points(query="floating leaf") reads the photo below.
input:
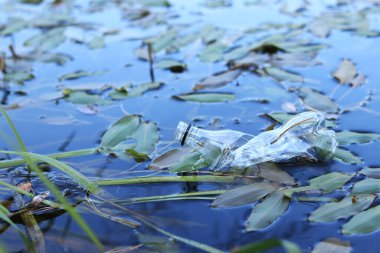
(346, 72)
(359, 80)
(364, 222)
(371, 172)
(347, 207)
(269, 171)
(130, 127)
(213, 52)
(78, 74)
(347, 137)
(367, 186)
(82, 97)
(206, 97)
(46, 41)
(218, 80)
(164, 41)
(268, 244)
(236, 53)
(317, 100)
(283, 75)
(14, 25)
(345, 156)
(173, 65)
(96, 42)
(171, 158)
(332, 245)
(266, 212)
(129, 91)
(18, 77)
(243, 195)
(210, 33)
(326, 183)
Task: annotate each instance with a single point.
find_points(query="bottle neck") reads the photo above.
(190, 135)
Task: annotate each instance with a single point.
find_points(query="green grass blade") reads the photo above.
(165, 179)
(82, 152)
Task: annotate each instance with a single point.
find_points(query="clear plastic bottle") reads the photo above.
(302, 138)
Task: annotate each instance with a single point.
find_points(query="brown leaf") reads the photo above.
(346, 72)
(359, 80)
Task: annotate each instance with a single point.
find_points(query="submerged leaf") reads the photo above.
(218, 80)
(364, 222)
(84, 98)
(346, 72)
(347, 137)
(347, 207)
(266, 212)
(332, 245)
(206, 97)
(269, 171)
(243, 195)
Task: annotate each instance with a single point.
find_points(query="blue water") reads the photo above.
(45, 125)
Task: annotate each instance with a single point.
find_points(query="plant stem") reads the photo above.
(82, 152)
(180, 196)
(165, 179)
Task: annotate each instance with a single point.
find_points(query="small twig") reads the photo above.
(150, 56)
(13, 52)
(3, 66)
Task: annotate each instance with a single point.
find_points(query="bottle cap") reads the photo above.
(182, 132)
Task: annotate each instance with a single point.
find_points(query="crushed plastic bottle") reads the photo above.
(304, 138)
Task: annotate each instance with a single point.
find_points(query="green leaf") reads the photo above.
(347, 137)
(210, 33)
(371, 172)
(18, 77)
(268, 244)
(14, 25)
(270, 171)
(82, 97)
(266, 212)
(173, 65)
(367, 186)
(206, 97)
(317, 100)
(78, 74)
(131, 127)
(283, 75)
(326, 183)
(346, 72)
(96, 42)
(129, 91)
(213, 52)
(345, 156)
(332, 245)
(163, 41)
(236, 53)
(363, 223)
(218, 80)
(243, 195)
(347, 207)
(47, 41)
